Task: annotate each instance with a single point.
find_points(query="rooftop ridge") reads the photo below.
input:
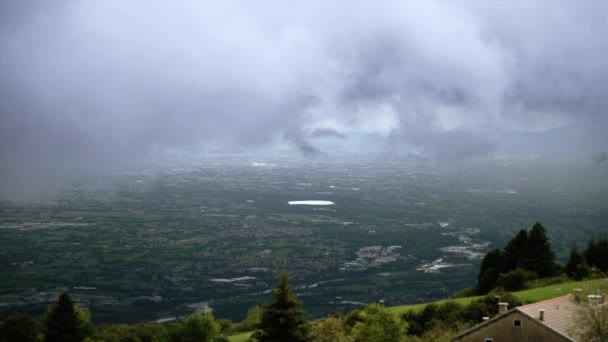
(546, 301)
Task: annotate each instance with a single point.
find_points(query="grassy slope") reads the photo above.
(526, 296)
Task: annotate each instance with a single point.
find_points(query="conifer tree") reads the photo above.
(538, 256)
(63, 322)
(514, 250)
(283, 319)
(489, 271)
(597, 254)
(575, 263)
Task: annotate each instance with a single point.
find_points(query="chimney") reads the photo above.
(594, 299)
(541, 314)
(502, 307)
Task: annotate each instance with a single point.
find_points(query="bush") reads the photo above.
(434, 316)
(225, 324)
(353, 318)
(19, 328)
(331, 329)
(379, 325)
(251, 321)
(515, 280)
(199, 327)
(487, 306)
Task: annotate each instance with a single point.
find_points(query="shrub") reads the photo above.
(515, 280)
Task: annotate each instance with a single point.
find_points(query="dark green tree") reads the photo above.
(19, 328)
(412, 318)
(487, 306)
(283, 319)
(65, 322)
(513, 251)
(538, 256)
(596, 254)
(448, 314)
(514, 280)
(426, 316)
(489, 271)
(582, 271)
(574, 264)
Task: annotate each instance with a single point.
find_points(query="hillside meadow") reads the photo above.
(526, 296)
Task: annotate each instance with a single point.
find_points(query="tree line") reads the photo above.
(281, 320)
(529, 255)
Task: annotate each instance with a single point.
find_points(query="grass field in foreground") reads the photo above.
(525, 296)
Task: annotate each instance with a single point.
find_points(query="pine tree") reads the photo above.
(514, 250)
(489, 271)
(597, 254)
(63, 322)
(283, 319)
(538, 256)
(575, 262)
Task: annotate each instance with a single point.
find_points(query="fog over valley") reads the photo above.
(87, 86)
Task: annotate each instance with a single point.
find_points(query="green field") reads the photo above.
(525, 296)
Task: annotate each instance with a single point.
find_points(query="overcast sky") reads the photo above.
(101, 82)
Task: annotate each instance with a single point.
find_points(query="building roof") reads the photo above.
(500, 316)
(559, 312)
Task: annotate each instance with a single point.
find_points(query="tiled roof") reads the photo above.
(498, 317)
(559, 312)
(559, 315)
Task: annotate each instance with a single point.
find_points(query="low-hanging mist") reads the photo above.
(87, 85)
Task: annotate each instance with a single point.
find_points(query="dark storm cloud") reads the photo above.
(303, 145)
(100, 83)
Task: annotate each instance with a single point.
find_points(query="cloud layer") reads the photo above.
(101, 82)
